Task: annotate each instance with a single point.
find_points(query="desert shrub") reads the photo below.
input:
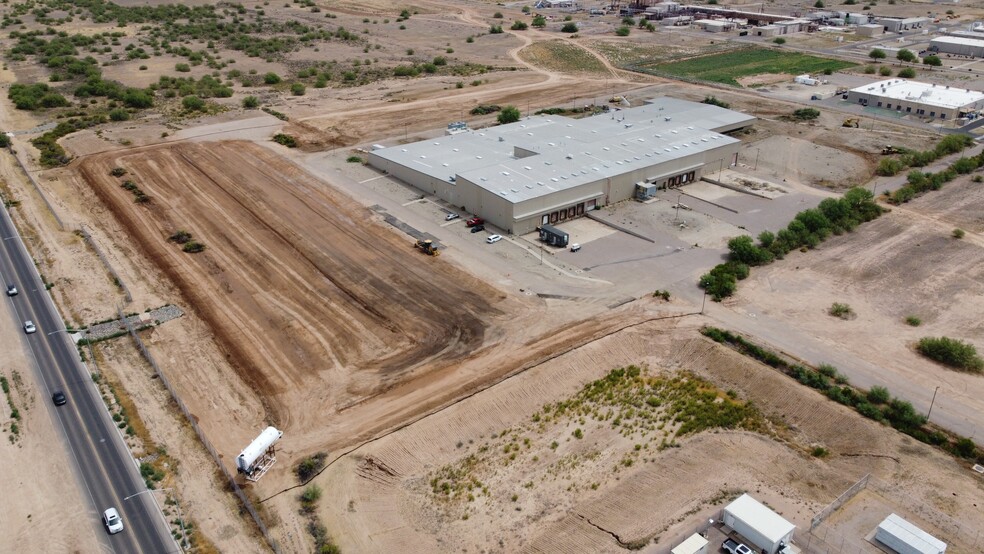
(495, 29)
(965, 448)
(819, 452)
(182, 67)
(623, 31)
(951, 352)
(119, 114)
(884, 71)
(907, 73)
(117, 172)
(913, 321)
(888, 167)
(519, 26)
(298, 89)
(354, 160)
(310, 466)
(509, 114)
(251, 102)
(286, 140)
(485, 109)
(842, 311)
(806, 114)
(193, 247)
(311, 494)
(271, 78)
(715, 102)
(779, 40)
(569, 28)
(958, 233)
(180, 236)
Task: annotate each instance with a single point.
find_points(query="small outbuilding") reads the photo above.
(905, 538)
(695, 544)
(766, 530)
(870, 30)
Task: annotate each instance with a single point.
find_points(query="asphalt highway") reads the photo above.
(104, 464)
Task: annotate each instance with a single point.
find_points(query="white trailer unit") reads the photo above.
(259, 456)
(905, 538)
(695, 544)
(765, 529)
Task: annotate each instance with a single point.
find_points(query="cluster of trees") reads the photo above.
(52, 154)
(509, 114)
(918, 182)
(876, 403)
(36, 96)
(807, 230)
(715, 102)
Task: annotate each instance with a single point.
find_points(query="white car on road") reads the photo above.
(29, 327)
(493, 239)
(112, 521)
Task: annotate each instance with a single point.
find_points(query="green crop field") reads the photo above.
(727, 67)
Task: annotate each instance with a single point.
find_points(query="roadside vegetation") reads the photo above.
(952, 353)
(807, 230)
(13, 428)
(876, 403)
(306, 470)
(919, 182)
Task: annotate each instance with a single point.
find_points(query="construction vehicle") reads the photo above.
(889, 150)
(851, 122)
(427, 247)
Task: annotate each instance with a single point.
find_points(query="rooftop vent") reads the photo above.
(668, 118)
(540, 183)
(445, 165)
(527, 168)
(502, 139)
(423, 157)
(554, 179)
(454, 149)
(478, 157)
(675, 132)
(627, 125)
(437, 144)
(403, 149)
(506, 173)
(569, 156)
(529, 186)
(513, 190)
(551, 144)
(605, 148)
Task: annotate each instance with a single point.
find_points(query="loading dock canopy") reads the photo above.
(905, 538)
(757, 523)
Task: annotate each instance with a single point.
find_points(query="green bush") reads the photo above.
(251, 102)
(485, 109)
(354, 160)
(951, 352)
(569, 28)
(271, 78)
(193, 103)
(878, 395)
(193, 247)
(35, 97)
(913, 321)
(298, 89)
(310, 466)
(119, 114)
(182, 67)
(519, 26)
(623, 31)
(842, 311)
(907, 73)
(715, 102)
(286, 140)
(311, 494)
(958, 233)
(509, 114)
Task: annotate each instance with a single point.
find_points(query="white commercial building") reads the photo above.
(548, 169)
(715, 25)
(958, 45)
(926, 100)
(766, 530)
(899, 24)
(905, 538)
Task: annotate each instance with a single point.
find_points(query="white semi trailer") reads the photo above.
(257, 458)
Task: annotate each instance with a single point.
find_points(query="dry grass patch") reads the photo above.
(563, 56)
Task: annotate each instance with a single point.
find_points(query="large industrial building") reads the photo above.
(926, 100)
(960, 45)
(548, 169)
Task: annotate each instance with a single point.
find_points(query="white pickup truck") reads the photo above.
(735, 547)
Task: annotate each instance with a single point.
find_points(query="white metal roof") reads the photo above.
(561, 153)
(944, 96)
(770, 524)
(912, 535)
(692, 545)
(962, 41)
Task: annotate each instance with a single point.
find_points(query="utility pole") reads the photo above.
(931, 403)
(756, 159)
(176, 503)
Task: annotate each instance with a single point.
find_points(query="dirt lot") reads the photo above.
(562, 493)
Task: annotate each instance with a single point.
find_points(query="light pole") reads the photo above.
(933, 402)
(702, 301)
(176, 503)
(677, 218)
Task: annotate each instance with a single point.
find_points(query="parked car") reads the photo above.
(477, 228)
(29, 327)
(735, 547)
(112, 521)
(451, 216)
(474, 221)
(11, 290)
(59, 398)
(493, 239)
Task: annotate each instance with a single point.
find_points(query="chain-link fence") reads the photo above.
(844, 497)
(247, 504)
(102, 257)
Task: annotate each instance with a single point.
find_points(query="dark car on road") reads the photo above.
(59, 398)
(477, 228)
(11, 290)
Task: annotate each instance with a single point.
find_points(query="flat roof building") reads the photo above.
(548, 169)
(905, 538)
(963, 46)
(924, 100)
(765, 529)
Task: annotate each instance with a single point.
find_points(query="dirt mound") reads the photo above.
(302, 289)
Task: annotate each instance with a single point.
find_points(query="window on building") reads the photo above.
(942, 116)
(908, 109)
(932, 114)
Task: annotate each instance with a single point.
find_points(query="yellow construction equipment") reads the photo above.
(427, 247)
(851, 122)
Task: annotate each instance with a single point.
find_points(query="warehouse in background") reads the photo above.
(769, 532)
(544, 170)
(923, 100)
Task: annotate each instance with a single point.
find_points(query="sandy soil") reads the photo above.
(569, 496)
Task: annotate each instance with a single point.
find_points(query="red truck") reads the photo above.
(474, 221)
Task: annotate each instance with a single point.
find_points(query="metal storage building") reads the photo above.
(553, 236)
(548, 169)
(958, 45)
(905, 538)
(765, 529)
